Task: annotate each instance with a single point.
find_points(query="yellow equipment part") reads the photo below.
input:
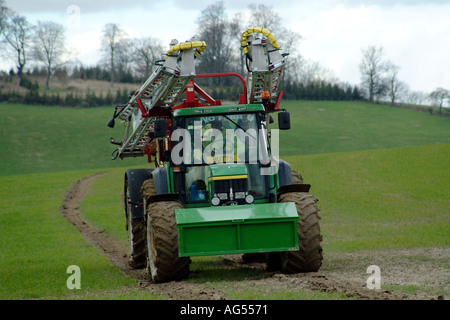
(265, 33)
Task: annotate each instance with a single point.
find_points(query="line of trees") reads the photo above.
(380, 82)
(129, 60)
(42, 43)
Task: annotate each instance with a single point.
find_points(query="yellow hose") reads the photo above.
(200, 45)
(265, 33)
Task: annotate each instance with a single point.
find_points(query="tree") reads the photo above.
(416, 97)
(396, 87)
(112, 34)
(438, 96)
(49, 46)
(145, 52)
(17, 33)
(215, 31)
(124, 58)
(236, 28)
(371, 68)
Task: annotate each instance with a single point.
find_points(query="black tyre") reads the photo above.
(136, 225)
(309, 256)
(163, 262)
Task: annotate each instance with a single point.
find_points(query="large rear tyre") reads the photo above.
(163, 262)
(309, 256)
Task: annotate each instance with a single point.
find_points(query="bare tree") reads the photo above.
(372, 68)
(439, 96)
(49, 46)
(313, 72)
(395, 85)
(145, 52)
(112, 34)
(416, 97)
(215, 31)
(264, 16)
(236, 28)
(17, 33)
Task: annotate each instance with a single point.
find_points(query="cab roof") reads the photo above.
(219, 110)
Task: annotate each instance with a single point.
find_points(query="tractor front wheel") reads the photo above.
(163, 262)
(309, 256)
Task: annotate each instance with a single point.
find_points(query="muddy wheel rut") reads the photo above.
(349, 280)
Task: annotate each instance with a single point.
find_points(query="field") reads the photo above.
(380, 174)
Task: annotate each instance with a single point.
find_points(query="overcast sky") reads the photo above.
(415, 34)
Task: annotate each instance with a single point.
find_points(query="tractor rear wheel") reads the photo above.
(163, 262)
(309, 256)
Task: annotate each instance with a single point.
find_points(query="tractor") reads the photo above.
(217, 186)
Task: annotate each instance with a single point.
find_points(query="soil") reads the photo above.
(424, 269)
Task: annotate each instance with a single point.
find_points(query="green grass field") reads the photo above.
(337, 126)
(377, 190)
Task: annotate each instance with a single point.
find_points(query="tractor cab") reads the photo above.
(219, 154)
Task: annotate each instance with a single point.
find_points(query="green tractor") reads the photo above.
(218, 187)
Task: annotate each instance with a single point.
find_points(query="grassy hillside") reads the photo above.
(335, 126)
(46, 139)
(64, 86)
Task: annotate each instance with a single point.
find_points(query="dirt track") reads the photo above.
(422, 268)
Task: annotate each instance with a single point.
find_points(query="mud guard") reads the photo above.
(160, 179)
(135, 179)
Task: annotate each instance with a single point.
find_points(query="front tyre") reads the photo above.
(163, 262)
(309, 256)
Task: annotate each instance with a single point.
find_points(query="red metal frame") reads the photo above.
(192, 88)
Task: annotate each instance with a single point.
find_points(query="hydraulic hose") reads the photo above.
(264, 31)
(199, 45)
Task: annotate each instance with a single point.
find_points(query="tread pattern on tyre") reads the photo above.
(309, 256)
(139, 249)
(136, 238)
(163, 263)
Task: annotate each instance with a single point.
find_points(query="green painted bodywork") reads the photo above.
(237, 229)
(204, 229)
(218, 170)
